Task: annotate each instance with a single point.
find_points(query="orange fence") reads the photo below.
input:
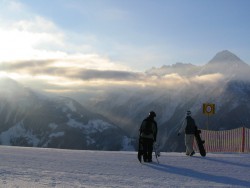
(235, 140)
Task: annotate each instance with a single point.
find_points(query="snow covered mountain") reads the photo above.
(227, 64)
(223, 81)
(31, 119)
(179, 68)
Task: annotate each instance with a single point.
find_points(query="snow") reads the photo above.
(41, 167)
(93, 126)
(71, 106)
(53, 126)
(127, 145)
(18, 129)
(58, 134)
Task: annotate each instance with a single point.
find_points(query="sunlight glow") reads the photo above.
(33, 39)
(14, 76)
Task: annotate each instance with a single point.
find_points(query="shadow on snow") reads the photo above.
(227, 162)
(199, 175)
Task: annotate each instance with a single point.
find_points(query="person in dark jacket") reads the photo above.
(148, 133)
(190, 128)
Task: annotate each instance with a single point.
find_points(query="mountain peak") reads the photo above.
(225, 57)
(226, 63)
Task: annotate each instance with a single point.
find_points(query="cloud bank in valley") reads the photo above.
(60, 75)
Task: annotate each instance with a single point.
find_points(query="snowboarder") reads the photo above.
(190, 129)
(148, 134)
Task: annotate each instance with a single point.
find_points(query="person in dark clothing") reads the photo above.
(148, 134)
(190, 128)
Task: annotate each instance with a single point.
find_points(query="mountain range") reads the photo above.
(223, 81)
(32, 119)
(111, 122)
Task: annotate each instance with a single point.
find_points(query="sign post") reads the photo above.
(208, 109)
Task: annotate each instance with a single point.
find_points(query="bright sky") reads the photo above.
(39, 37)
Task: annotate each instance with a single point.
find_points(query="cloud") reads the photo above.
(69, 62)
(31, 39)
(175, 80)
(70, 73)
(106, 75)
(208, 78)
(35, 50)
(24, 35)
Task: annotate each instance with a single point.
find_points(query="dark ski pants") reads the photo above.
(147, 145)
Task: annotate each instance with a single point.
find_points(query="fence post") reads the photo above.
(243, 140)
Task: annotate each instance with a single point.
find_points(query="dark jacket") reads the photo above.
(153, 134)
(190, 126)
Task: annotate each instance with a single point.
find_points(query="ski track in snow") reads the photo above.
(40, 167)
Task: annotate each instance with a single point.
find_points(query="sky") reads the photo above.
(114, 39)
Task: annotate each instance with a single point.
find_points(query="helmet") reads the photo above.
(188, 113)
(152, 114)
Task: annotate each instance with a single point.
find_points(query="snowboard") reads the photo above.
(140, 150)
(200, 143)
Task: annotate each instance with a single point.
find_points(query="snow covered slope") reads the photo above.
(40, 167)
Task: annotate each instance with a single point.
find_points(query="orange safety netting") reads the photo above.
(235, 140)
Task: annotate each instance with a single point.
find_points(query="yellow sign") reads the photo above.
(208, 108)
